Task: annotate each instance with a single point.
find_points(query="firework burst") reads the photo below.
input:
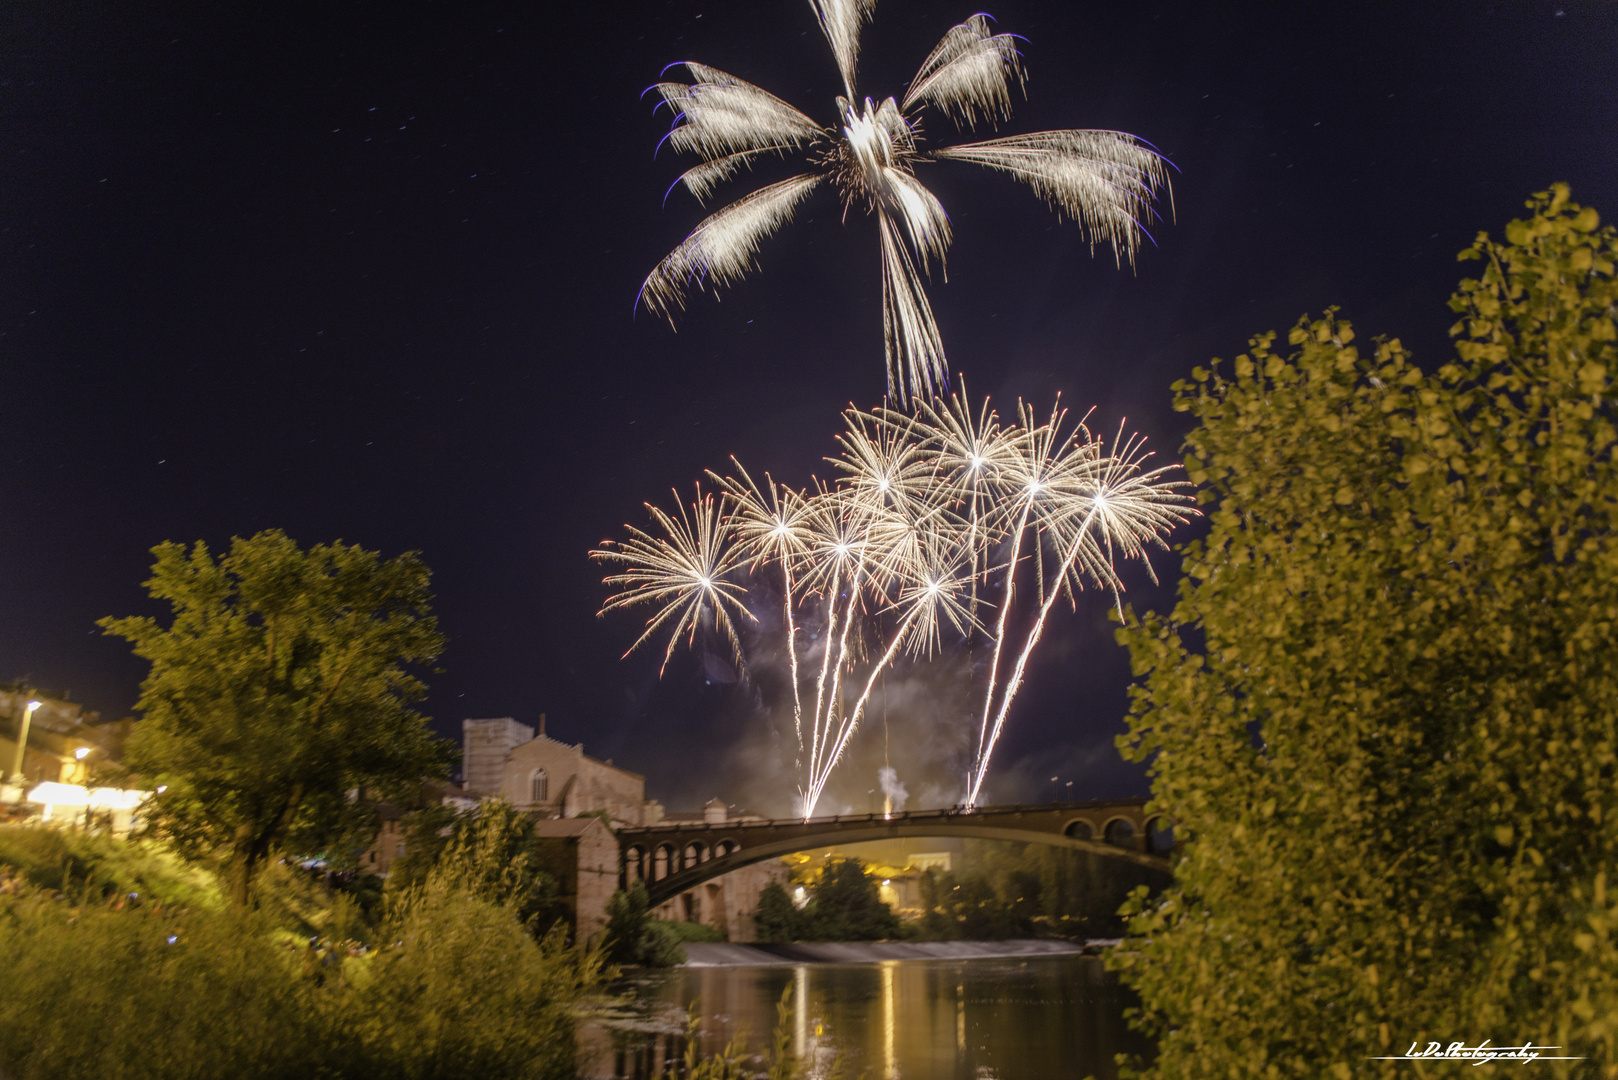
(685, 573)
(928, 509)
(1106, 181)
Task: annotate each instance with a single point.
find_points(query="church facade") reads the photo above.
(534, 772)
(556, 782)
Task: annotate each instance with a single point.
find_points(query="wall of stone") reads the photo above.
(574, 782)
(484, 746)
(583, 855)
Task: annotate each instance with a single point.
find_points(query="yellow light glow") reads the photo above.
(81, 753)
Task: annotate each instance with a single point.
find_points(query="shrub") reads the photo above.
(144, 993)
(460, 988)
(494, 854)
(684, 932)
(102, 985)
(98, 865)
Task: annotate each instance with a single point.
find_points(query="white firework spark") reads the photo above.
(686, 570)
(928, 506)
(1106, 181)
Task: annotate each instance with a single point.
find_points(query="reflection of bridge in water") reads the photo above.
(675, 857)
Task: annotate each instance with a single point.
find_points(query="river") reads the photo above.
(1035, 1018)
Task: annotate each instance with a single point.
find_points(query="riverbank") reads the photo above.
(725, 954)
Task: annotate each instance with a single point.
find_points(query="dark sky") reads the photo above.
(366, 271)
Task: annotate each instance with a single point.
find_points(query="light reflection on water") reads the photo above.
(1022, 1019)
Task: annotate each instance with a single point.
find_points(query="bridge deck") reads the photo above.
(675, 856)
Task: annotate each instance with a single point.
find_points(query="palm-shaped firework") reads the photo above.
(932, 513)
(1105, 180)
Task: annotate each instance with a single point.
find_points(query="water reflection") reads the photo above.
(1020, 1019)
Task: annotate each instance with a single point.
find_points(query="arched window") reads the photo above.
(539, 786)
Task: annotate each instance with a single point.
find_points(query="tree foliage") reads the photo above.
(1385, 706)
(165, 982)
(279, 685)
(634, 936)
(491, 853)
(777, 918)
(968, 907)
(846, 905)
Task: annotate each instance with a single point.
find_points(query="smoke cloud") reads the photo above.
(895, 791)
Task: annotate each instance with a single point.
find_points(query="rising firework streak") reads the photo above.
(931, 513)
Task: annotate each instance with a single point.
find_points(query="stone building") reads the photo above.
(391, 841)
(553, 779)
(557, 782)
(583, 855)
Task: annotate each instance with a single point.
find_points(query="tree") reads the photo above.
(1385, 708)
(634, 936)
(971, 908)
(1105, 180)
(777, 918)
(847, 905)
(279, 687)
(491, 853)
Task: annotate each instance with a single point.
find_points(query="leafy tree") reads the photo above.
(846, 905)
(937, 922)
(633, 936)
(1385, 706)
(278, 686)
(493, 854)
(777, 918)
(970, 908)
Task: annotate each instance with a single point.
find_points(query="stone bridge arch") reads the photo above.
(662, 855)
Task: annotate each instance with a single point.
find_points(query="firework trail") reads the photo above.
(895, 555)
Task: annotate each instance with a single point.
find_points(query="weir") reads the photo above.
(673, 858)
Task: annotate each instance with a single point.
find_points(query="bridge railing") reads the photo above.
(958, 810)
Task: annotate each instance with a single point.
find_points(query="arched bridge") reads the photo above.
(679, 856)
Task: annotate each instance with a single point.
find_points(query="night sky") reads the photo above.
(367, 271)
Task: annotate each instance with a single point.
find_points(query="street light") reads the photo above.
(1053, 789)
(22, 741)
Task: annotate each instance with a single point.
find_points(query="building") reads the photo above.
(549, 778)
(583, 854)
(63, 739)
(391, 842)
(64, 745)
(557, 782)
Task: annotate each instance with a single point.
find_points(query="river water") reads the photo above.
(1037, 1018)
